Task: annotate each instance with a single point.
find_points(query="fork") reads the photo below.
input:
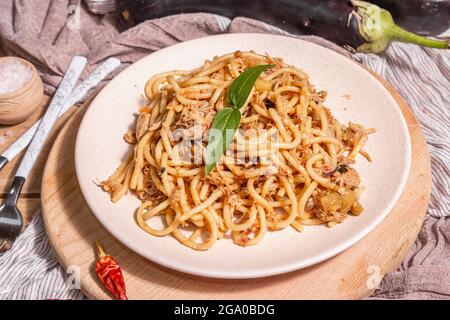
(11, 220)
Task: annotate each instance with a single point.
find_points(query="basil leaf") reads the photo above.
(221, 135)
(242, 86)
(227, 120)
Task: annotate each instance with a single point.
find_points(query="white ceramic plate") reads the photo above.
(100, 149)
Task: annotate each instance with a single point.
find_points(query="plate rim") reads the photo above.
(304, 263)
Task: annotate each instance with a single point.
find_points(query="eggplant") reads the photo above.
(425, 17)
(354, 24)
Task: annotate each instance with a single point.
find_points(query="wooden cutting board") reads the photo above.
(353, 274)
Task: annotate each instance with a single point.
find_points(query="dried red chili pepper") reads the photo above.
(109, 272)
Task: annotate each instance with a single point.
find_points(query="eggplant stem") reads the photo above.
(402, 35)
(378, 28)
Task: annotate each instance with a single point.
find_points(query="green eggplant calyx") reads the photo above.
(378, 28)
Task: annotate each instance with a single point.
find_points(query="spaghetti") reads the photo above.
(290, 163)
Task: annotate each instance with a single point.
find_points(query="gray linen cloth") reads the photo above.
(49, 32)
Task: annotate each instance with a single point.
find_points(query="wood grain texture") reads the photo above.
(29, 202)
(30, 196)
(10, 134)
(73, 229)
(29, 207)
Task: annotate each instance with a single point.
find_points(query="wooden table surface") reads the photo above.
(29, 202)
(30, 199)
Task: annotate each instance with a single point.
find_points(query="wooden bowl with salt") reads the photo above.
(21, 90)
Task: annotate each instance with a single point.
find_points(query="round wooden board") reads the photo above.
(73, 229)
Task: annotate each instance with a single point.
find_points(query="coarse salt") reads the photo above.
(13, 76)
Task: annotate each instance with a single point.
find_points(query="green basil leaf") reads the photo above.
(242, 86)
(221, 135)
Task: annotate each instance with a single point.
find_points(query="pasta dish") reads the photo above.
(290, 163)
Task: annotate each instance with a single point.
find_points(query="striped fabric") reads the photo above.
(30, 270)
(422, 76)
